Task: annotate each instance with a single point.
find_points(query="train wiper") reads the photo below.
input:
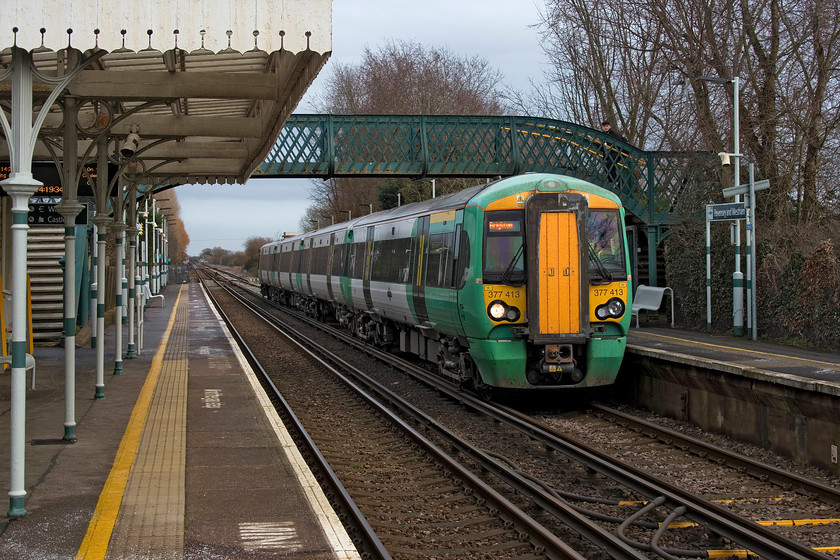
(509, 270)
(602, 270)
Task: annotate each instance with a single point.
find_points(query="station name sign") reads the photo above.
(728, 211)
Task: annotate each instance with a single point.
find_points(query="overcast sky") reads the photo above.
(498, 30)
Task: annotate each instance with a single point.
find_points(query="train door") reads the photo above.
(633, 252)
(306, 268)
(558, 294)
(418, 299)
(368, 259)
(329, 267)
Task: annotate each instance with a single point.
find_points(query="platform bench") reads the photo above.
(650, 298)
(30, 364)
(148, 294)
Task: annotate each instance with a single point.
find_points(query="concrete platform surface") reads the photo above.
(183, 458)
(790, 365)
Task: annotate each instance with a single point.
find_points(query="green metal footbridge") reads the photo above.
(418, 146)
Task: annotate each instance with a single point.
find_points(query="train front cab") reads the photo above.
(559, 311)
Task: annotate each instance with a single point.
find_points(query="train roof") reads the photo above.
(453, 200)
(437, 204)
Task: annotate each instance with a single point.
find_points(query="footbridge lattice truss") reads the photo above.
(648, 183)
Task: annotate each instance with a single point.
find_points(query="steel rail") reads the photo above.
(553, 546)
(761, 540)
(775, 475)
(549, 501)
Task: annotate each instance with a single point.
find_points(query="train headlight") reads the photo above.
(613, 309)
(500, 311)
(497, 310)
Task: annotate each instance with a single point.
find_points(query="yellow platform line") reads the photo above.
(95, 544)
(746, 350)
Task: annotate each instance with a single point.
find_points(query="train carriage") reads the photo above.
(522, 283)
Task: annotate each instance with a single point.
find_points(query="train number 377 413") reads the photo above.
(609, 292)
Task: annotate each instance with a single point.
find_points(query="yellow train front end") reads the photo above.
(555, 285)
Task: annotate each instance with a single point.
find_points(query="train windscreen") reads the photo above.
(504, 255)
(606, 246)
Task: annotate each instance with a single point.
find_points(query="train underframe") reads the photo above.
(550, 365)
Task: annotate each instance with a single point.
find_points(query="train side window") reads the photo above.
(392, 258)
(461, 263)
(357, 260)
(284, 260)
(438, 260)
(337, 266)
(320, 259)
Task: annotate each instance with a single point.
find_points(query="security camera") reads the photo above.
(132, 143)
(724, 158)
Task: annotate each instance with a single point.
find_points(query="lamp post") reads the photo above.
(737, 276)
(368, 206)
(425, 180)
(349, 214)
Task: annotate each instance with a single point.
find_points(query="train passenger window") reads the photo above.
(504, 255)
(357, 260)
(337, 267)
(439, 259)
(320, 259)
(391, 260)
(284, 261)
(606, 243)
(462, 263)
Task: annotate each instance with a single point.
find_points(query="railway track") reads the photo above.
(417, 500)
(606, 508)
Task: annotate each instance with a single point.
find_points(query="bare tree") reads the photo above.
(401, 77)
(641, 63)
(404, 77)
(176, 234)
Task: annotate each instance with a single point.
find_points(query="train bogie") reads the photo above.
(520, 284)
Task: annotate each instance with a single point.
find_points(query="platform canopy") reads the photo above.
(206, 84)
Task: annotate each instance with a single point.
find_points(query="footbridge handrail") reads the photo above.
(324, 146)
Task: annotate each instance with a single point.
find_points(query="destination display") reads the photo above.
(47, 173)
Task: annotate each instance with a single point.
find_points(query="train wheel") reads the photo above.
(482, 390)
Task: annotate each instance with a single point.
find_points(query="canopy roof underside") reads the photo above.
(207, 106)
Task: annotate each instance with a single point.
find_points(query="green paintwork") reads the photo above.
(499, 353)
(483, 146)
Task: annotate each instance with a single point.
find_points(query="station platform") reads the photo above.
(784, 399)
(787, 365)
(183, 458)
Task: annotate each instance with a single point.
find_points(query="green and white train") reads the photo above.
(522, 283)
